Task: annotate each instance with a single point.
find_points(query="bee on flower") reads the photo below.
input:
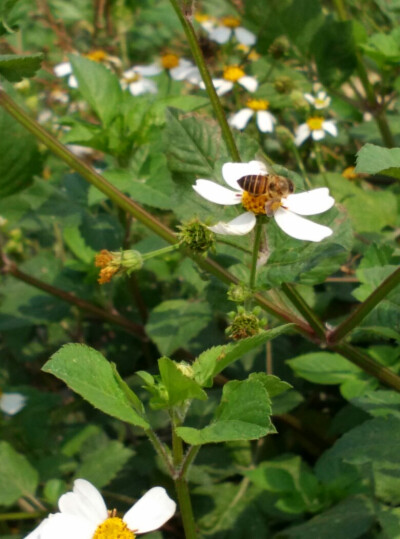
(259, 107)
(83, 515)
(230, 26)
(315, 127)
(263, 193)
(233, 74)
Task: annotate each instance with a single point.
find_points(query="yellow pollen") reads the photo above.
(254, 204)
(233, 73)
(315, 123)
(97, 56)
(169, 61)
(258, 104)
(113, 528)
(106, 274)
(230, 22)
(103, 258)
(202, 17)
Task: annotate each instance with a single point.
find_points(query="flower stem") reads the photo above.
(304, 309)
(320, 163)
(160, 450)
(256, 249)
(300, 164)
(205, 75)
(160, 252)
(365, 307)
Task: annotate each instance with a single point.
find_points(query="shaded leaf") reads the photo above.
(17, 476)
(15, 67)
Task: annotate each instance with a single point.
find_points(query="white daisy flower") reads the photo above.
(12, 403)
(83, 515)
(229, 26)
(286, 213)
(320, 101)
(135, 79)
(316, 126)
(180, 68)
(207, 22)
(264, 119)
(231, 75)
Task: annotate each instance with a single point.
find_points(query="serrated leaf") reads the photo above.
(173, 323)
(379, 403)
(216, 359)
(90, 375)
(372, 159)
(15, 67)
(243, 414)
(274, 385)
(179, 386)
(17, 476)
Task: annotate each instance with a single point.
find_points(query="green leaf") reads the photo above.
(99, 86)
(20, 159)
(216, 359)
(243, 414)
(173, 323)
(324, 368)
(373, 159)
(17, 476)
(379, 403)
(179, 386)
(101, 465)
(15, 67)
(383, 48)
(73, 238)
(90, 375)
(274, 385)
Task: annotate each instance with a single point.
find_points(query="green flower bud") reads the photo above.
(279, 47)
(197, 236)
(239, 293)
(284, 84)
(244, 324)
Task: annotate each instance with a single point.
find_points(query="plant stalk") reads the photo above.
(298, 301)
(256, 249)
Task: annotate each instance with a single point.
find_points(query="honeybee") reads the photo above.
(272, 185)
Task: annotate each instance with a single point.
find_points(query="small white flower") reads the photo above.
(287, 215)
(12, 403)
(321, 101)
(65, 69)
(207, 22)
(264, 119)
(135, 79)
(316, 127)
(229, 26)
(231, 75)
(83, 514)
(180, 68)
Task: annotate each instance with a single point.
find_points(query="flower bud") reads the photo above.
(117, 262)
(239, 293)
(279, 47)
(244, 324)
(284, 84)
(196, 236)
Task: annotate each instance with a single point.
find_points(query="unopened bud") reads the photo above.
(113, 262)
(185, 369)
(197, 236)
(244, 324)
(284, 84)
(239, 293)
(279, 47)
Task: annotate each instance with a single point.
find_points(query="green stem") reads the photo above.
(161, 450)
(365, 307)
(160, 252)
(205, 75)
(304, 309)
(181, 486)
(188, 459)
(22, 515)
(300, 164)
(320, 163)
(256, 249)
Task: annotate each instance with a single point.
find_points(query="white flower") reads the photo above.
(135, 79)
(180, 68)
(287, 215)
(65, 69)
(231, 75)
(231, 26)
(321, 101)
(264, 119)
(12, 403)
(207, 22)
(316, 127)
(83, 515)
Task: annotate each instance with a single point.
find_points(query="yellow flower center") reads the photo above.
(113, 528)
(320, 102)
(350, 173)
(233, 73)
(169, 61)
(258, 104)
(132, 78)
(315, 123)
(97, 56)
(202, 17)
(230, 22)
(254, 204)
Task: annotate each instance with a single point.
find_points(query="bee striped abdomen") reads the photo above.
(255, 184)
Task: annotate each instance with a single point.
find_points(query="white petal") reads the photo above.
(300, 228)
(221, 34)
(217, 193)
(63, 69)
(237, 227)
(265, 121)
(310, 98)
(232, 172)
(250, 83)
(60, 526)
(245, 37)
(301, 134)
(84, 501)
(330, 127)
(182, 70)
(241, 118)
(222, 86)
(309, 203)
(143, 86)
(151, 511)
(318, 134)
(12, 403)
(72, 82)
(148, 71)
(194, 76)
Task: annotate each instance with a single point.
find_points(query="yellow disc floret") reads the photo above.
(254, 204)
(230, 22)
(169, 61)
(257, 104)
(97, 56)
(315, 123)
(113, 528)
(233, 73)
(202, 17)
